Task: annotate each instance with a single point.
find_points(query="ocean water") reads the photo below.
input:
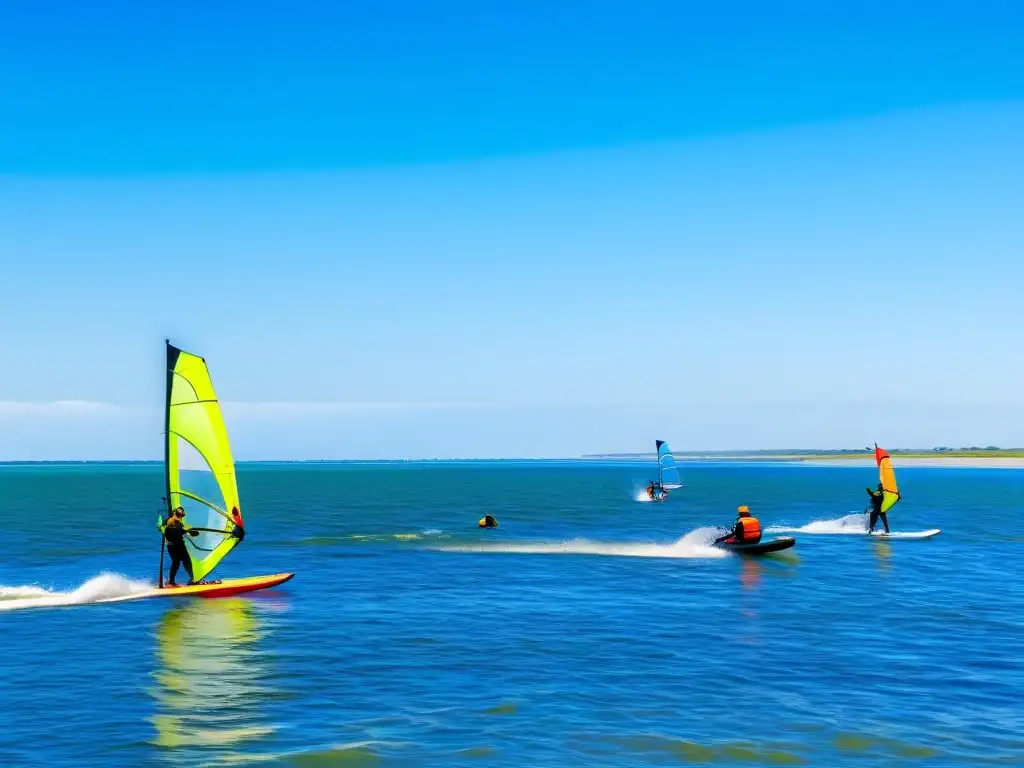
(589, 629)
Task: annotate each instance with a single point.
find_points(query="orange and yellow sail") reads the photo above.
(887, 477)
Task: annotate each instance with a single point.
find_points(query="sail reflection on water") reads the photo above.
(883, 554)
(211, 680)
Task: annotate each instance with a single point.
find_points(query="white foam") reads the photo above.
(640, 494)
(852, 524)
(106, 586)
(696, 544)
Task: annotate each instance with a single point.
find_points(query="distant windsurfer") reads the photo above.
(656, 492)
(174, 531)
(746, 531)
(488, 521)
(877, 497)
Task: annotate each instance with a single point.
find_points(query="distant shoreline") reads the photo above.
(993, 462)
(1008, 459)
(1002, 459)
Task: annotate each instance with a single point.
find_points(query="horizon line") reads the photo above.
(624, 457)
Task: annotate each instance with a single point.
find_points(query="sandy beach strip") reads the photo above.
(995, 462)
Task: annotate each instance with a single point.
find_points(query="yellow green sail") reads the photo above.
(887, 476)
(199, 467)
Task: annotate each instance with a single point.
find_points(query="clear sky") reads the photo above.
(442, 229)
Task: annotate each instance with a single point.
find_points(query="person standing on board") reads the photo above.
(877, 497)
(174, 531)
(746, 531)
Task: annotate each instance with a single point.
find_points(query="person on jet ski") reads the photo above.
(746, 531)
(877, 497)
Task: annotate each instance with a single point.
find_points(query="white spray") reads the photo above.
(855, 523)
(696, 544)
(106, 586)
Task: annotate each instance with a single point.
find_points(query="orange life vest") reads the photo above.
(751, 530)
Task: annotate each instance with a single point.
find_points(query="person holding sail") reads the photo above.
(877, 497)
(174, 531)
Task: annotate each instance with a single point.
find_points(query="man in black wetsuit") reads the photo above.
(174, 531)
(877, 497)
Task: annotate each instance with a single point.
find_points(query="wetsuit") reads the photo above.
(174, 535)
(877, 497)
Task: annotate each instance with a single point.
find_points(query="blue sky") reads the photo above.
(437, 230)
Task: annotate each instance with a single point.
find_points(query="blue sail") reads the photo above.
(668, 475)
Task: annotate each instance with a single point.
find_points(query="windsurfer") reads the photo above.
(657, 492)
(877, 497)
(174, 531)
(746, 531)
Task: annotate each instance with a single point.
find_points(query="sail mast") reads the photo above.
(172, 355)
(167, 447)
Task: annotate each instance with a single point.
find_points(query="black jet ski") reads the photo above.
(761, 548)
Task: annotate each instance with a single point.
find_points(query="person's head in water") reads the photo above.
(488, 522)
(743, 510)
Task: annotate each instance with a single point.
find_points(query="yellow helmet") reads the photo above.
(743, 510)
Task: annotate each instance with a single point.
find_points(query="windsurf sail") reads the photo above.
(668, 475)
(887, 476)
(200, 470)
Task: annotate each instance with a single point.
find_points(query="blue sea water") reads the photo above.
(589, 629)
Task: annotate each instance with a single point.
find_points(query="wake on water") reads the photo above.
(640, 494)
(855, 523)
(696, 544)
(97, 589)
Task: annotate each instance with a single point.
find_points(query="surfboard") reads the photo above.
(223, 588)
(906, 534)
(762, 547)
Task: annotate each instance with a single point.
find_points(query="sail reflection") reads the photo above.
(883, 553)
(211, 680)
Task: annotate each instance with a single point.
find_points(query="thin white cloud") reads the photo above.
(239, 410)
(275, 409)
(54, 408)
